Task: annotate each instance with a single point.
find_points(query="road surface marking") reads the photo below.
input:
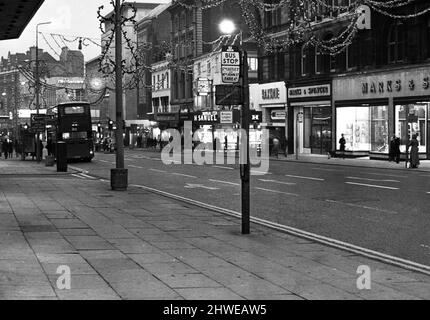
(279, 182)
(225, 182)
(306, 178)
(226, 168)
(199, 186)
(374, 180)
(136, 167)
(279, 192)
(384, 175)
(78, 176)
(184, 175)
(159, 171)
(261, 173)
(371, 186)
(87, 176)
(79, 169)
(360, 206)
(403, 263)
(104, 161)
(322, 169)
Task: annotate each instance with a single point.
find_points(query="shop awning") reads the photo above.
(15, 16)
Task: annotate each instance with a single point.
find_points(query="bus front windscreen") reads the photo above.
(74, 110)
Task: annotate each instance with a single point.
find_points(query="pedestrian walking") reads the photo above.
(276, 147)
(284, 145)
(397, 149)
(414, 146)
(392, 149)
(342, 143)
(10, 149)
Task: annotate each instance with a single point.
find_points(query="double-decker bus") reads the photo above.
(74, 127)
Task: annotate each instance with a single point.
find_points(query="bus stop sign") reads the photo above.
(230, 64)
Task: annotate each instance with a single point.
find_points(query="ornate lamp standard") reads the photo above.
(37, 77)
(227, 27)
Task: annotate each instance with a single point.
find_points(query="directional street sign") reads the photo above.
(39, 121)
(230, 64)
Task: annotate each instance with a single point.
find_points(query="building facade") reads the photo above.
(386, 60)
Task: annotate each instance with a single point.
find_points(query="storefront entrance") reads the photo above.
(317, 130)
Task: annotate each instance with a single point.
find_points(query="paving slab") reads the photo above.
(139, 245)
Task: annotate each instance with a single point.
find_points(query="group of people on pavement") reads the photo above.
(6, 148)
(394, 150)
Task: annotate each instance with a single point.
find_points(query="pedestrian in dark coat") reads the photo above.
(414, 153)
(397, 150)
(392, 149)
(342, 143)
(10, 149)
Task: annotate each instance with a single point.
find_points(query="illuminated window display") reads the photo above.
(364, 128)
(411, 120)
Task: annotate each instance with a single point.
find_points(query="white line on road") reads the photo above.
(159, 171)
(225, 182)
(374, 180)
(384, 174)
(360, 206)
(407, 264)
(226, 168)
(371, 186)
(104, 161)
(322, 169)
(260, 173)
(78, 176)
(279, 192)
(87, 176)
(78, 169)
(278, 182)
(306, 178)
(184, 175)
(136, 167)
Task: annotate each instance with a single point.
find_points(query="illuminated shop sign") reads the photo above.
(411, 82)
(271, 94)
(310, 92)
(394, 85)
(206, 117)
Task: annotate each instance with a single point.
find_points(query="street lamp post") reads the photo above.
(228, 27)
(37, 76)
(119, 175)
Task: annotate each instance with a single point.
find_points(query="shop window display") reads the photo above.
(364, 128)
(411, 120)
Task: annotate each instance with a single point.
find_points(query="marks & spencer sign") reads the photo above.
(412, 82)
(310, 92)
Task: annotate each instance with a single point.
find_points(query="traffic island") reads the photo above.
(119, 179)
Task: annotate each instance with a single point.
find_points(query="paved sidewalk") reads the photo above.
(138, 245)
(323, 159)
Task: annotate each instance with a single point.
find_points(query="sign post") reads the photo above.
(230, 64)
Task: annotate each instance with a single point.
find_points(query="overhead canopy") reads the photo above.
(15, 15)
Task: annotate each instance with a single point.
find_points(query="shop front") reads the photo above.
(310, 108)
(272, 101)
(371, 109)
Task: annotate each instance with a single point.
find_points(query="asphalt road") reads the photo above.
(379, 209)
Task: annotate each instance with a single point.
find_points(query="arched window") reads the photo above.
(396, 43)
(308, 60)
